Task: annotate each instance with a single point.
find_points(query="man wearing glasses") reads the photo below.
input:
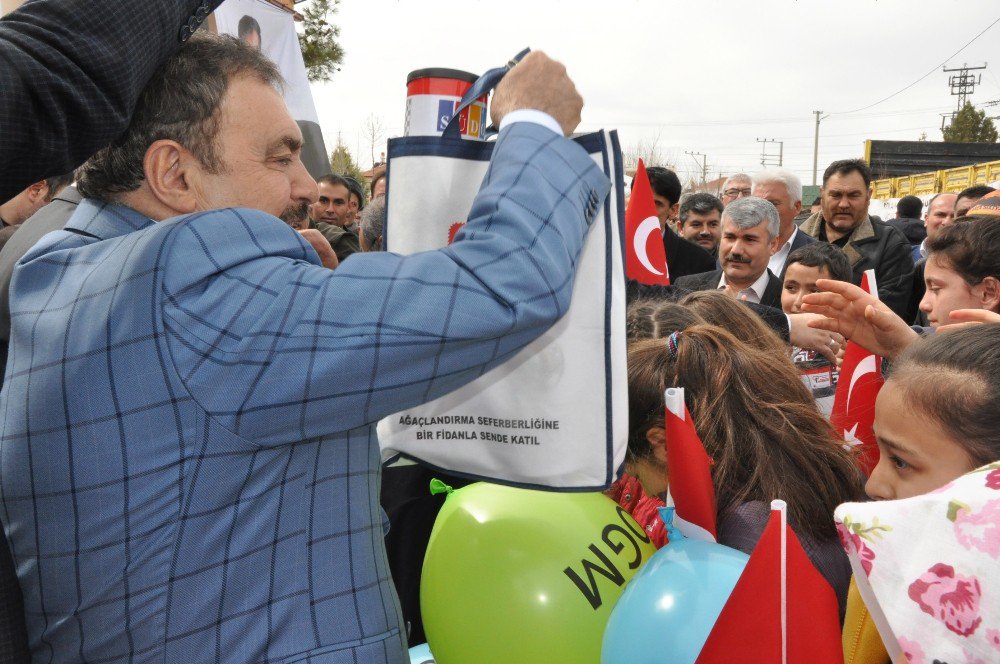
(736, 186)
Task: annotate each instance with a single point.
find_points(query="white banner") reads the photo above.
(272, 29)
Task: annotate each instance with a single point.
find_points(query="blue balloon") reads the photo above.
(421, 654)
(670, 606)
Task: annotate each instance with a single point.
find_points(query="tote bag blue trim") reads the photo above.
(608, 400)
(619, 178)
(435, 146)
(480, 478)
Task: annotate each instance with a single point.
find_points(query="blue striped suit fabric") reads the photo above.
(189, 466)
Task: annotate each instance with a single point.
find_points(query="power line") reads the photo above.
(933, 70)
(711, 123)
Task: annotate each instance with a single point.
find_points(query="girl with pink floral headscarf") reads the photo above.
(926, 559)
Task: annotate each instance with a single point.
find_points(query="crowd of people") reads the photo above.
(761, 405)
(189, 462)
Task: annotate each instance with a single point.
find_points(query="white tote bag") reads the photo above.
(556, 414)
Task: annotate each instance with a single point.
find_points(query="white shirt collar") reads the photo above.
(777, 262)
(752, 294)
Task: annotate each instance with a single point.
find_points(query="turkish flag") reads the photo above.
(690, 471)
(781, 610)
(645, 255)
(854, 401)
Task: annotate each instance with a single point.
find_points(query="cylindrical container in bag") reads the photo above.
(432, 95)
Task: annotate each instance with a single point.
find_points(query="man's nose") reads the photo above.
(303, 186)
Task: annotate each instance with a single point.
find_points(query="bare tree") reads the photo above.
(648, 149)
(373, 130)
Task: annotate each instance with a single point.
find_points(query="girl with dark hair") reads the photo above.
(761, 428)
(962, 269)
(717, 308)
(936, 418)
(649, 318)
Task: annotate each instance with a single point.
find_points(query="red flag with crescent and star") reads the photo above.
(854, 401)
(645, 255)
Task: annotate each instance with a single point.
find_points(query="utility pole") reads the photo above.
(962, 85)
(703, 164)
(766, 158)
(819, 116)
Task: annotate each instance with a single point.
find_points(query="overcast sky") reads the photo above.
(708, 76)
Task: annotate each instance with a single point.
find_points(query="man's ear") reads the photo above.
(38, 191)
(674, 211)
(657, 438)
(775, 245)
(797, 207)
(171, 175)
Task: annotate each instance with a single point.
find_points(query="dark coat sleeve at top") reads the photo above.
(71, 72)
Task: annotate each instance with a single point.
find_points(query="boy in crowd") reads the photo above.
(805, 265)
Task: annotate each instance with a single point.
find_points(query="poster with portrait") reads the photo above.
(271, 29)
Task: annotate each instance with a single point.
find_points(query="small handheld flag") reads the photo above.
(782, 609)
(854, 401)
(690, 471)
(645, 255)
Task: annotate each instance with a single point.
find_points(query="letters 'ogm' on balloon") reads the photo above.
(516, 575)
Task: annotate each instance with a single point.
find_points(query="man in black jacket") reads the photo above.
(908, 220)
(868, 243)
(683, 257)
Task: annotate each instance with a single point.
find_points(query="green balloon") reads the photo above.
(513, 575)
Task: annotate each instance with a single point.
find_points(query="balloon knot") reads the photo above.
(437, 486)
(667, 516)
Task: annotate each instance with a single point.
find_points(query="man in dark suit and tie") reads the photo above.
(784, 190)
(749, 238)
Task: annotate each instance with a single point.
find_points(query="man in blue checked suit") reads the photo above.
(174, 487)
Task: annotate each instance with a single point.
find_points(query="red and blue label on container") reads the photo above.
(432, 95)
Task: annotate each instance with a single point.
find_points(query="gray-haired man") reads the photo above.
(750, 228)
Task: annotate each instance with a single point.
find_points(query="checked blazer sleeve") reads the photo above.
(189, 470)
(71, 72)
(279, 342)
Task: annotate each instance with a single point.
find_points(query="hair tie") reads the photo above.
(672, 345)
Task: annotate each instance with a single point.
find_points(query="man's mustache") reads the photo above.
(296, 214)
(737, 258)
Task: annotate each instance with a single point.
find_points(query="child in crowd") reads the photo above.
(961, 289)
(817, 260)
(649, 319)
(717, 308)
(760, 427)
(962, 269)
(936, 418)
